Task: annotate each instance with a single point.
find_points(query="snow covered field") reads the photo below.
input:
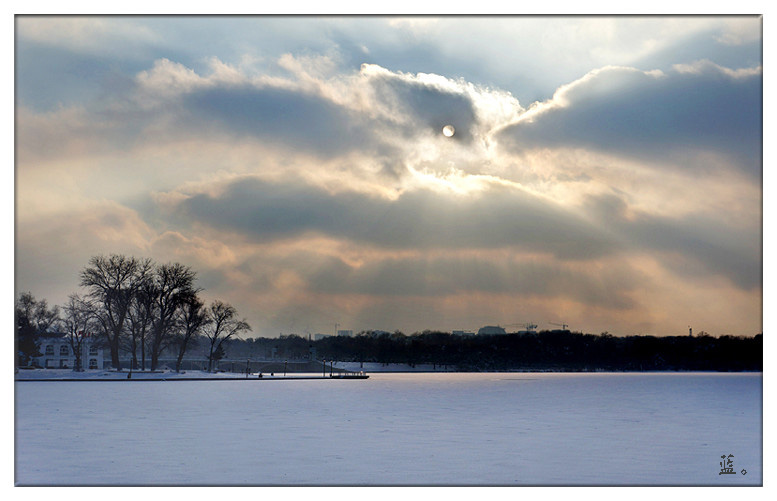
(394, 429)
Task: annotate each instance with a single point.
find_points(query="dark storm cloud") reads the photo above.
(424, 219)
(691, 246)
(699, 109)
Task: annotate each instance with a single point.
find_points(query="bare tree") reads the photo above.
(194, 317)
(173, 286)
(78, 322)
(223, 325)
(140, 318)
(112, 282)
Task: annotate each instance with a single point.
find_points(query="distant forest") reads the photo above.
(544, 350)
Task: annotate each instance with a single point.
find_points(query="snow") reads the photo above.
(67, 374)
(393, 429)
(378, 367)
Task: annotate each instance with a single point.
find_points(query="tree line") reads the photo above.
(544, 350)
(131, 305)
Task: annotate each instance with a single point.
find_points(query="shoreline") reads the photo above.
(112, 376)
(114, 380)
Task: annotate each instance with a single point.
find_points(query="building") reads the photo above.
(491, 329)
(57, 353)
(463, 333)
(347, 333)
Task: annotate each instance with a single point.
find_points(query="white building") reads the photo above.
(57, 353)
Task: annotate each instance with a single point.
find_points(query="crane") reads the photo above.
(563, 326)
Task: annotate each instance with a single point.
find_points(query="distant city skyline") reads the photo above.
(403, 173)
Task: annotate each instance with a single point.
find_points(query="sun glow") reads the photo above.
(457, 181)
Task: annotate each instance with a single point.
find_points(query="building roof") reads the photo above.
(491, 329)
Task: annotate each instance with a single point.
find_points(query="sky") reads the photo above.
(605, 172)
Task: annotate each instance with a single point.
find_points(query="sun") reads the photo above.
(448, 131)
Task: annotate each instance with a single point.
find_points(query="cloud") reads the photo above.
(312, 281)
(654, 116)
(70, 132)
(497, 217)
(300, 168)
(176, 246)
(52, 249)
(423, 218)
(693, 246)
(171, 103)
(424, 102)
(86, 34)
(373, 112)
(439, 276)
(741, 30)
(293, 119)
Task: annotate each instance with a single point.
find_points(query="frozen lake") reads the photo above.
(394, 429)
